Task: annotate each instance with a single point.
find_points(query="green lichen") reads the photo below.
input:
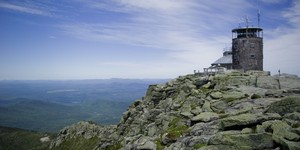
(286, 105)
(199, 145)
(193, 106)
(230, 99)
(117, 146)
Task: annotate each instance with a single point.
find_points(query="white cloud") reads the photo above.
(52, 37)
(293, 14)
(25, 9)
(166, 5)
(273, 1)
(191, 33)
(282, 44)
(189, 30)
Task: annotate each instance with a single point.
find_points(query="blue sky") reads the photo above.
(90, 39)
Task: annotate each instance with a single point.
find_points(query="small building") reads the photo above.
(225, 61)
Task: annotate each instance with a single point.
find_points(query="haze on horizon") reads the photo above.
(86, 39)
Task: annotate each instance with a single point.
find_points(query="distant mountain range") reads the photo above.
(49, 105)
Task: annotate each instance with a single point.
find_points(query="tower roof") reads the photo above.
(246, 32)
(248, 29)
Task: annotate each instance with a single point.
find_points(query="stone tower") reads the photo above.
(247, 48)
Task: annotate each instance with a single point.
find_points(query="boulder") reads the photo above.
(187, 114)
(197, 110)
(274, 93)
(293, 122)
(143, 143)
(152, 129)
(286, 105)
(216, 95)
(240, 120)
(289, 145)
(223, 147)
(195, 141)
(175, 146)
(205, 117)
(251, 141)
(293, 116)
(270, 116)
(278, 129)
(247, 130)
(233, 95)
(204, 129)
(219, 106)
(206, 107)
(148, 145)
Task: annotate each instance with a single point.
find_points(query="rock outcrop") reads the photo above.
(234, 110)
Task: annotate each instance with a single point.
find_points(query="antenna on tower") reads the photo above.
(258, 18)
(247, 21)
(258, 14)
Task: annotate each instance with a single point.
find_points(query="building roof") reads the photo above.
(227, 59)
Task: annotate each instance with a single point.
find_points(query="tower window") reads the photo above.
(252, 56)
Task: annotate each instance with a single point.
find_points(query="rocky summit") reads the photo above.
(233, 110)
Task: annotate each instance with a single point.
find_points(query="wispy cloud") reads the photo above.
(191, 31)
(281, 44)
(25, 9)
(52, 37)
(273, 1)
(187, 34)
(293, 14)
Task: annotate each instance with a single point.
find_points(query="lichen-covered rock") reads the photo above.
(233, 95)
(278, 129)
(196, 111)
(145, 143)
(223, 147)
(216, 95)
(286, 105)
(205, 117)
(240, 120)
(253, 140)
(289, 145)
(293, 116)
(203, 129)
(187, 114)
(206, 107)
(219, 106)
